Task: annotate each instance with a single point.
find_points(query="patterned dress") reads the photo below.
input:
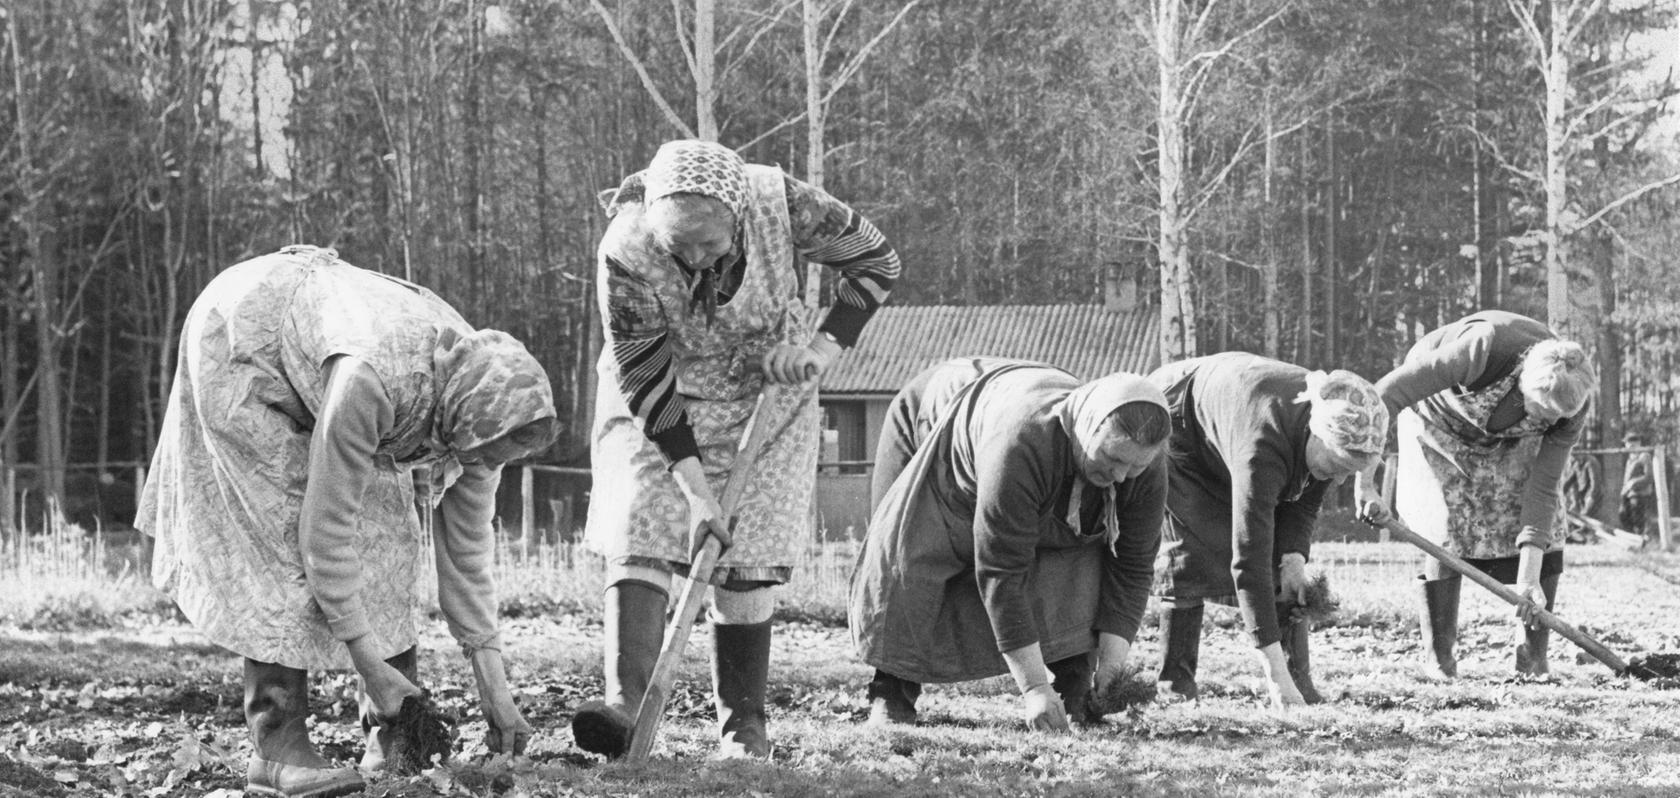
(232, 474)
(679, 377)
(1474, 469)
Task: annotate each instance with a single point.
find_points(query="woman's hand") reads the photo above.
(384, 685)
(788, 363)
(1279, 684)
(1112, 651)
(1534, 600)
(705, 514)
(1293, 583)
(509, 732)
(1042, 708)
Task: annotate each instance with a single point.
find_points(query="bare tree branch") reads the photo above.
(792, 120)
(856, 63)
(769, 24)
(1654, 185)
(1530, 28)
(641, 71)
(1573, 27)
(834, 30)
(685, 42)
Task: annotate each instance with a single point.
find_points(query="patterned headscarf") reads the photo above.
(691, 166)
(489, 386)
(1347, 412)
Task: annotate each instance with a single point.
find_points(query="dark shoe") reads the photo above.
(740, 675)
(1531, 652)
(1295, 654)
(635, 629)
(1438, 624)
(284, 761)
(1181, 640)
(1071, 679)
(892, 700)
(378, 736)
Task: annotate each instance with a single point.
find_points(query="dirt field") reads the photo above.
(149, 709)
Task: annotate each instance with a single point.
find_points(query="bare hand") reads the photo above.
(1374, 512)
(788, 363)
(1293, 583)
(508, 731)
(1534, 599)
(1284, 693)
(1043, 710)
(384, 685)
(1112, 652)
(705, 514)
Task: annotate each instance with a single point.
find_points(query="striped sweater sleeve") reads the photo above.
(830, 232)
(638, 335)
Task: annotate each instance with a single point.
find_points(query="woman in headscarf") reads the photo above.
(283, 499)
(1488, 409)
(1255, 444)
(1016, 538)
(700, 296)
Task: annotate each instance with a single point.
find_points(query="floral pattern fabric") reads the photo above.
(637, 514)
(1463, 486)
(226, 486)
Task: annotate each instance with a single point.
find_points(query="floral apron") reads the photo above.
(637, 514)
(1460, 485)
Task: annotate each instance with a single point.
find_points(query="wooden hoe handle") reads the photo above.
(1587, 642)
(764, 425)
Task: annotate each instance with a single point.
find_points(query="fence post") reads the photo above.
(139, 485)
(527, 510)
(1659, 475)
(8, 499)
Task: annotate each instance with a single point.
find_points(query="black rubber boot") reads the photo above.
(1295, 654)
(373, 758)
(1181, 636)
(1071, 679)
(740, 677)
(635, 629)
(1438, 624)
(284, 762)
(892, 700)
(1531, 652)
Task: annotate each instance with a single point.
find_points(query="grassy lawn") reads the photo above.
(114, 696)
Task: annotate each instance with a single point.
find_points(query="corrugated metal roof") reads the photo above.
(1087, 340)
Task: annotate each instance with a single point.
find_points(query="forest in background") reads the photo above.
(1317, 180)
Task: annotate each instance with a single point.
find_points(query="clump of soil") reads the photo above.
(1661, 670)
(420, 731)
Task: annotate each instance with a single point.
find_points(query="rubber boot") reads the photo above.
(1181, 633)
(635, 629)
(378, 737)
(1295, 656)
(284, 762)
(740, 676)
(1531, 652)
(1438, 624)
(892, 700)
(1071, 679)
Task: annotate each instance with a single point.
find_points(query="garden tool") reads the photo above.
(1542, 616)
(776, 399)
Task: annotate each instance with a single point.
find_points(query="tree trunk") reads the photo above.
(705, 69)
(1332, 209)
(816, 151)
(1557, 187)
(1609, 399)
(1271, 321)
(1178, 312)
